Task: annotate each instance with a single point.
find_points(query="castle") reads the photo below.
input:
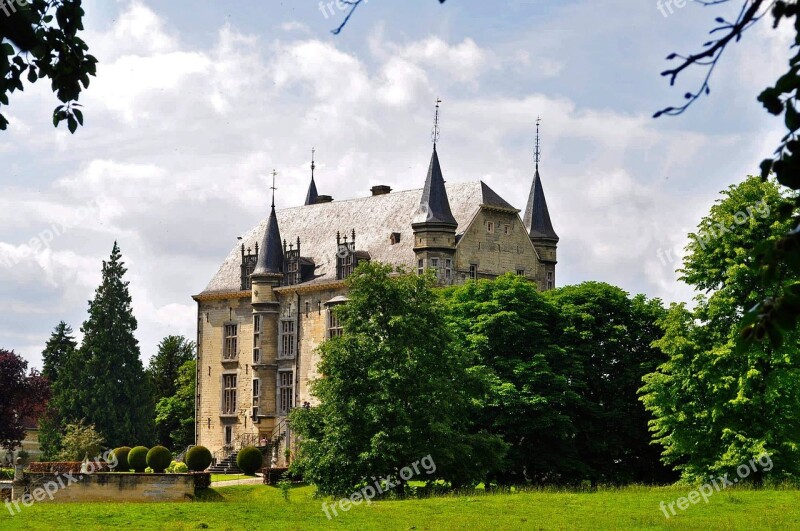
(268, 308)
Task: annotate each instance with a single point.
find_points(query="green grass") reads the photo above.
(262, 507)
(229, 477)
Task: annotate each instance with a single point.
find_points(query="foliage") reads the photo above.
(776, 315)
(176, 467)
(159, 458)
(285, 486)
(198, 458)
(163, 373)
(6, 473)
(529, 398)
(249, 460)
(80, 440)
(65, 467)
(41, 37)
(175, 413)
(716, 406)
(121, 454)
(137, 458)
(104, 382)
(395, 390)
(23, 397)
(57, 351)
(609, 334)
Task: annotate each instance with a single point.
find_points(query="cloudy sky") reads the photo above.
(196, 102)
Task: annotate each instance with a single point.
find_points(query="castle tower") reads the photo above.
(434, 225)
(540, 228)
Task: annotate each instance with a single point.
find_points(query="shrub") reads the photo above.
(121, 455)
(159, 458)
(202, 480)
(6, 473)
(249, 460)
(137, 458)
(64, 467)
(176, 467)
(198, 458)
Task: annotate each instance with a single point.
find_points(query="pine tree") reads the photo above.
(57, 351)
(110, 389)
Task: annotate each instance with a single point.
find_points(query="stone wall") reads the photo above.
(109, 487)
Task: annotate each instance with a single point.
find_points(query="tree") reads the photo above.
(353, 5)
(715, 406)
(609, 334)
(175, 414)
(105, 383)
(394, 391)
(23, 397)
(41, 37)
(777, 315)
(57, 351)
(530, 398)
(163, 372)
(80, 441)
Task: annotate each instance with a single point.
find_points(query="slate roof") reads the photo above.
(434, 206)
(270, 255)
(374, 219)
(312, 195)
(537, 217)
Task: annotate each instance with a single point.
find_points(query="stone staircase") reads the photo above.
(226, 466)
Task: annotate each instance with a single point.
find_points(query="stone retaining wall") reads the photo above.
(109, 487)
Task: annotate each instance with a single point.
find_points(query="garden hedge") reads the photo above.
(159, 458)
(250, 460)
(198, 458)
(121, 454)
(137, 458)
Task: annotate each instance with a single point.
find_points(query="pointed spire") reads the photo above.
(270, 259)
(434, 205)
(435, 132)
(312, 195)
(537, 216)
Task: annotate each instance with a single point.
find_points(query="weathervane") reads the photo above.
(537, 153)
(435, 133)
(313, 165)
(274, 174)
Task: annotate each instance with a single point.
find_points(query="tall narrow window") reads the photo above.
(231, 351)
(256, 396)
(256, 339)
(550, 282)
(473, 271)
(334, 325)
(420, 266)
(288, 342)
(228, 435)
(285, 392)
(448, 268)
(490, 226)
(228, 394)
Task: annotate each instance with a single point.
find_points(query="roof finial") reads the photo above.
(274, 174)
(537, 154)
(313, 164)
(435, 133)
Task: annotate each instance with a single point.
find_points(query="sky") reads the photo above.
(196, 102)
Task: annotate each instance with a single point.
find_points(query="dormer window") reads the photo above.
(249, 260)
(291, 257)
(345, 255)
(394, 239)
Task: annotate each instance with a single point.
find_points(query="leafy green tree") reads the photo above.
(175, 414)
(40, 37)
(716, 406)
(105, 383)
(79, 441)
(58, 350)
(609, 334)
(163, 372)
(394, 391)
(530, 398)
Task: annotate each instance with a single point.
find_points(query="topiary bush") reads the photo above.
(249, 460)
(198, 458)
(121, 455)
(137, 458)
(159, 458)
(176, 467)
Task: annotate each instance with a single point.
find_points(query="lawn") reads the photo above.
(229, 477)
(262, 507)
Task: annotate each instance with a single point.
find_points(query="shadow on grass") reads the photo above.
(209, 495)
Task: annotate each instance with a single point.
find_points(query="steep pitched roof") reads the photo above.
(312, 195)
(537, 217)
(434, 205)
(374, 219)
(270, 256)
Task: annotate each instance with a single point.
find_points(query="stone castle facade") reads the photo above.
(268, 308)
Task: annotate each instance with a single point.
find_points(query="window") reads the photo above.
(231, 342)
(285, 391)
(473, 271)
(507, 229)
(256, 391)
(345, 261)
(334, 325)
(256, 339)
(287, 350)
(435, 263)
(550, 283)
(228, 435)
(521, 272)
(490, 226)
(420, 267)
(448, 268)
(292, 273)
(228, 394)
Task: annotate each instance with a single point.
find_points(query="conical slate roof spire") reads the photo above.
(270, 256)
(312, 195)
(434, 205)
(537, 217)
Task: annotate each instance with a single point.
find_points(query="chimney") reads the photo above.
(381, 189)
(323, 199)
